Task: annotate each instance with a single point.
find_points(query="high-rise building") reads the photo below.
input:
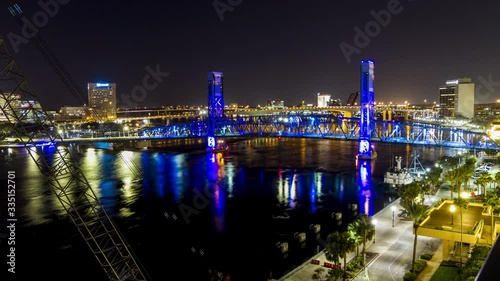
(323, 99)
(102, 99)
(456, 98)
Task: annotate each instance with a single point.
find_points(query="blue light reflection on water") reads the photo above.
(216, 175)
(238, 186)
(365, 187)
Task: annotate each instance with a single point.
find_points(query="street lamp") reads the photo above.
(452, 210)
(393, 208)
(374, 222)
(125, 129)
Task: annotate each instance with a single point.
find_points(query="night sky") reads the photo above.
(287, 50)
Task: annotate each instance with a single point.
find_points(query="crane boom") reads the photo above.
(66, 179)
(65, 77)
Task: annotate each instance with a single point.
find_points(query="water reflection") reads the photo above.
(285, 186)
(365, 186)
(216, 174)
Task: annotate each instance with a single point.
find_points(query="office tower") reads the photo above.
(456, 98)
(323, 99)
(102, 100)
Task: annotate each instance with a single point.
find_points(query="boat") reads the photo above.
(397, 176)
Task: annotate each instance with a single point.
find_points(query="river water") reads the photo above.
(223, 213)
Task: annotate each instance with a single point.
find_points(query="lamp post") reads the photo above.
(452, 210)
(125, 130)
(374, 222)
(393, 208)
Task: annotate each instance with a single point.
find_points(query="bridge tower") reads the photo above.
(367, 107)
(215, 107)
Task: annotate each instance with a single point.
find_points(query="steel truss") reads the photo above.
(333, 127)
(63, 173)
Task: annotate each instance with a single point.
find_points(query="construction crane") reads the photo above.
(63, 173)
(65, 76)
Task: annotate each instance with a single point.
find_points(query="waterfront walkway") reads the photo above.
(391, 249)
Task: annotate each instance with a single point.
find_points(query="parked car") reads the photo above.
(483, 168)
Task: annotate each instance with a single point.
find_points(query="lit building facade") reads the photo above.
(323, 99)
(28, 111)
(102, 100)
(275, 103)
(15, 102)
(71, 113)
(456, 98)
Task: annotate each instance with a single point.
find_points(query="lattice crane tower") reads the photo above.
(65, 177)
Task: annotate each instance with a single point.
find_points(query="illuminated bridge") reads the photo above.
(327, 126)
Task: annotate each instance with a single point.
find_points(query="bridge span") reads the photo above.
(328, 126)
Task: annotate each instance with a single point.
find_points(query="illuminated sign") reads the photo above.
(364, 146)
(211, 142)
(452, 82)
(102, 84)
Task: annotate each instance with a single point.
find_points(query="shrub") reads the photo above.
(351, 266)
(426, 256)
(410, 276)
(359, 260)
(419, 266)
(448, 263)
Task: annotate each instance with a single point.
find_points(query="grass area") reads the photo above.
(446, 273)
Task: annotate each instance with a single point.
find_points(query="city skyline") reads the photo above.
(289, 51)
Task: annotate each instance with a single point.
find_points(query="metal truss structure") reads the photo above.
(56, 162)
(331, 127)
(215, 106)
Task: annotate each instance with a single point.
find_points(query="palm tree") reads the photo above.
(462, 204)
(434, 178)
(338, 244)
(411, 192)
(497, 178)
(450, 176)
(483, 179)
(355, 237)
(418, 212)
(366, 230)
(467, 171)
(333, 247)
(492, 200)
